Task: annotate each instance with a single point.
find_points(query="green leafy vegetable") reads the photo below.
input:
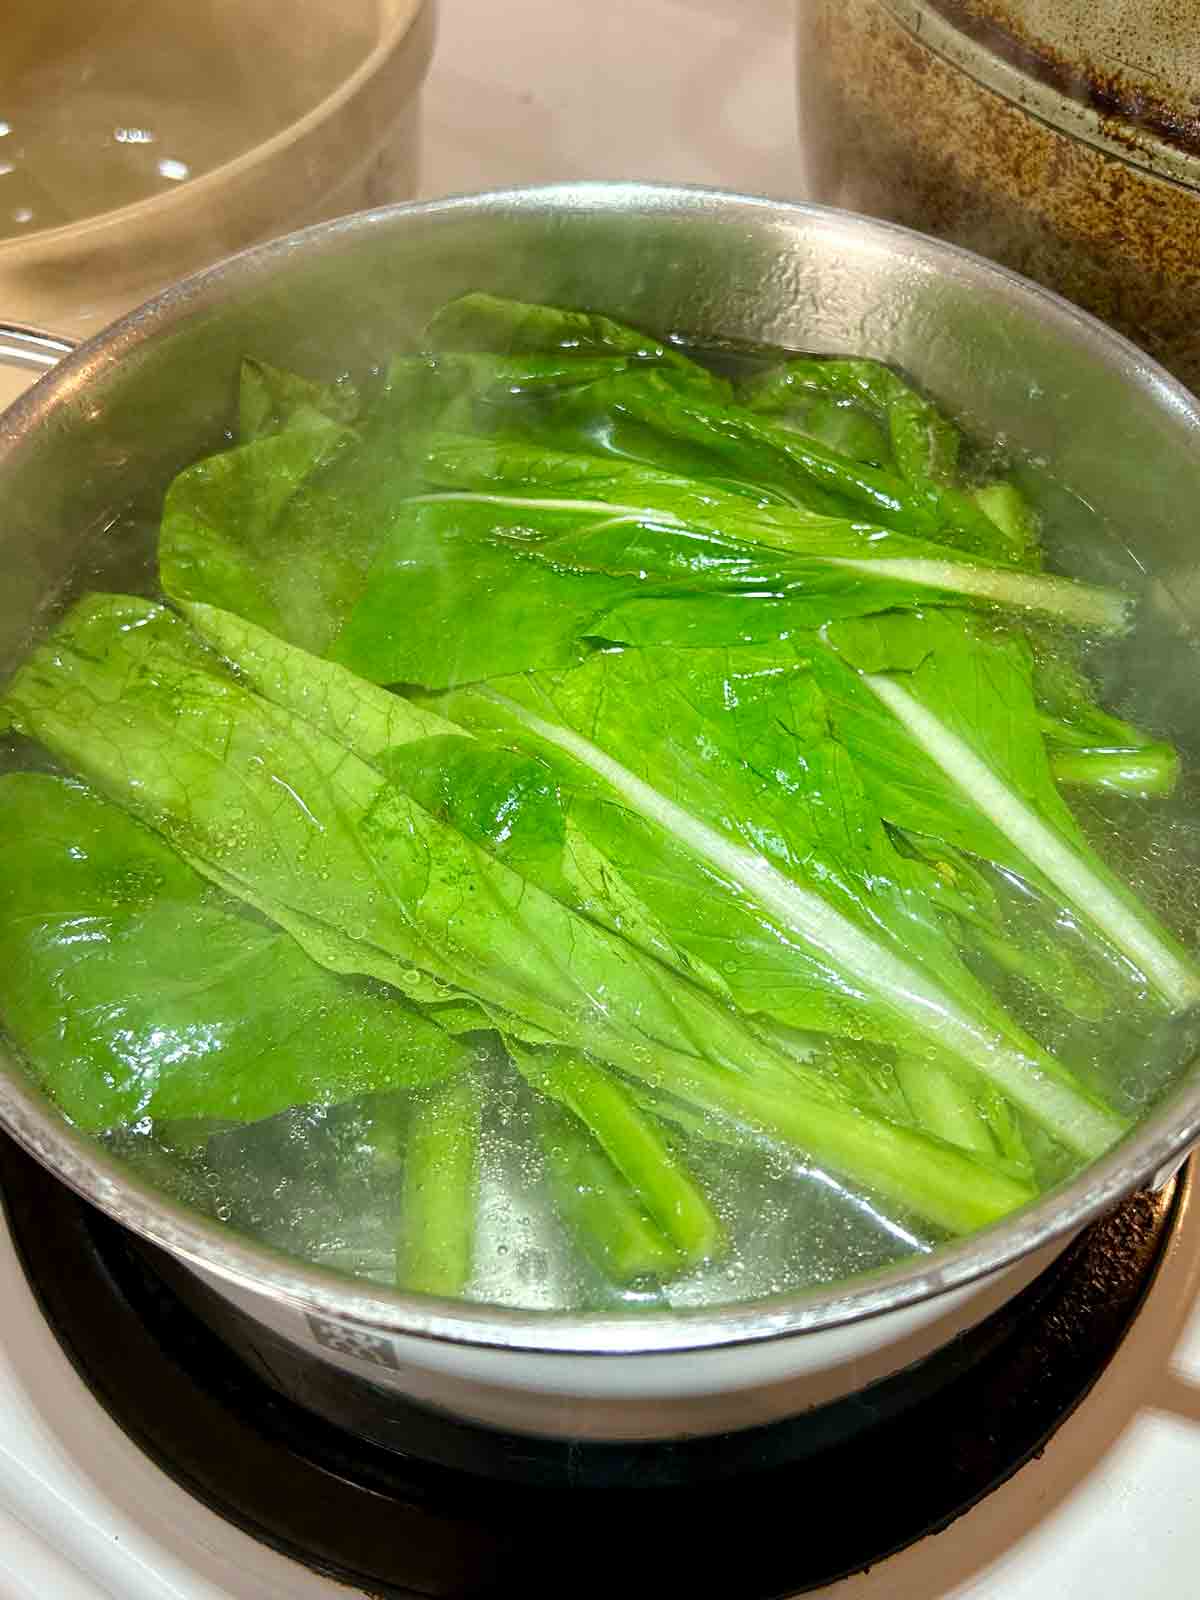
(283, 530)
(280, 814)
(653, 417)
(541, 574)
(635, 1147)
(456, 462)
(1088, 746)
(441, 1175)
(598, 1204)
(924, 444)
(773, 807)
(720, 791)
(138, 991)
(964, 700)
(270, 401)
(487, 323)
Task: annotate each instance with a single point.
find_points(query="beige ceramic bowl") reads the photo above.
(356, 148)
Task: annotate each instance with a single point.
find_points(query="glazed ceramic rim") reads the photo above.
(1134, 146)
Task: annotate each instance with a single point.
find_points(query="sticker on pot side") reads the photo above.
(343, 1339)
(345, 1344)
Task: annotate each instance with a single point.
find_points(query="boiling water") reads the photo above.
(106, 102)
(324, 1183)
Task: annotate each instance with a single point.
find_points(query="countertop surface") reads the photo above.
(683, 91)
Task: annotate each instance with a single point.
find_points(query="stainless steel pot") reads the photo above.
(123, 413)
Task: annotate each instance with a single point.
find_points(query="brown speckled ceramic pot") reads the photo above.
(1060, 137)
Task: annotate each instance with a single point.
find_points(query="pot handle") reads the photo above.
(32, 348)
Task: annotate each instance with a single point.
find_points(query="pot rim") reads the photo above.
(27, 250)
(1147, 1156)
(1064, 97)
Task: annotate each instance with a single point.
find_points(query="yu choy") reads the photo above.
(561, 740)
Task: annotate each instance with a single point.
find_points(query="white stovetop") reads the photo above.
(1110, 1512)
(696, 91)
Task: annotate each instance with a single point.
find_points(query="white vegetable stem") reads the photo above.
(521, 502)
(1025, 1076)
(1078, 604)
(1175, 979)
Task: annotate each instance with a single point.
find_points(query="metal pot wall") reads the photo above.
(123, 413)
(1061, 139)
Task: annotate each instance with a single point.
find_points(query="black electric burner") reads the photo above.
(396, 1501)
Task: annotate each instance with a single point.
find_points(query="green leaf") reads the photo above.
(650, 416)
(960, 700)
(270, 400)
(510, 472)
(509, 465)
(282, 531)
(136, 990)
(924, 444)
(488, 323)
(533, 577)
(729, 756)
